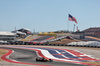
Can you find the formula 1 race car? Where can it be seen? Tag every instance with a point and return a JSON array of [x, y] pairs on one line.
[[43, 59]]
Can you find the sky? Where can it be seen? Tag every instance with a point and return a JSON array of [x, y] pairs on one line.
[[48, 15]]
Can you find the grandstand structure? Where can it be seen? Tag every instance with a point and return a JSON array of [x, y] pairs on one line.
[[23, 32], [7, 36], [94, 31]]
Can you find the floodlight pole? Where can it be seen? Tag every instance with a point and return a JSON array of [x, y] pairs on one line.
[[15, 32], [33, 31], [74, 28]]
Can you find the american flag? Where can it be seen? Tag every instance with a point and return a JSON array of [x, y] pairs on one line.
[[71, 18]]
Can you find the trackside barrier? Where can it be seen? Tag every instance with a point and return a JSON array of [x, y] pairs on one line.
[[59, 38], [46, 42], [85, 44], [94, 44], [15, 43]]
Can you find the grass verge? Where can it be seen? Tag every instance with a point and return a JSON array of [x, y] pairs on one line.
[[96, 63], [2, 52]]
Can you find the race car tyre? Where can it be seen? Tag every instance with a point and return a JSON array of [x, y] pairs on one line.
[[37, 59], [50, 60]]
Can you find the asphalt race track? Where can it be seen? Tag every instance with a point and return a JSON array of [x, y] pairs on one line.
[[29, 56], [42, 38]]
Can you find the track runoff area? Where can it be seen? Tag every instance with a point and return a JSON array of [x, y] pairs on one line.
[[62, 55]]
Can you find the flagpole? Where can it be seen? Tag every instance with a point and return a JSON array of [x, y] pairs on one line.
[[68, 23], [77, 28], [68, 27]]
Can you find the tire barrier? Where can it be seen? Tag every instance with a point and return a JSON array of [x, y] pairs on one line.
[[93, 44]]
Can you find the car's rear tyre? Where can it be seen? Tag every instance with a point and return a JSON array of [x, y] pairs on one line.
[[37, 59], [50, 60]]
